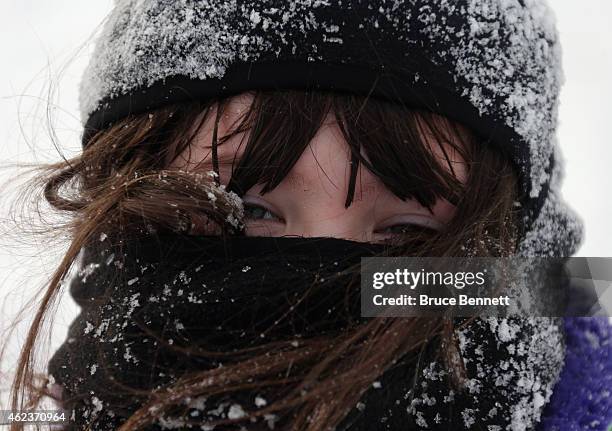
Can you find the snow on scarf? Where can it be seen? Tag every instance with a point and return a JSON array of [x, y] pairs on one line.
[[182, 288]]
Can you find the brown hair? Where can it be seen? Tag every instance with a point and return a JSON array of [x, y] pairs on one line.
[[108, 188]]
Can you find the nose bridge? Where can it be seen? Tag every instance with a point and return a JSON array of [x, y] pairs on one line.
[[330, 222], [320, 184]]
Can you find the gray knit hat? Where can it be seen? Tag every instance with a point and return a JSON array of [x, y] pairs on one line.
[[494, 65]]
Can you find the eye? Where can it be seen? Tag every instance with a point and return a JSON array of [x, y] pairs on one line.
[[405, 228], [415, 224], [258, 212], [403, 231]]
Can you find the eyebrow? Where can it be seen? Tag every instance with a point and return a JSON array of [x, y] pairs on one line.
[[295, 178], [223, 157]]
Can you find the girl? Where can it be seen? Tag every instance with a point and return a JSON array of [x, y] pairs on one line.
[[238, 160]]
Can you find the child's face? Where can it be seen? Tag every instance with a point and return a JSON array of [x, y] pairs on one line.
[[310, 200]]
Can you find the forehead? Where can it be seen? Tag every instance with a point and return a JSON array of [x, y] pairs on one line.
[[200, 151]]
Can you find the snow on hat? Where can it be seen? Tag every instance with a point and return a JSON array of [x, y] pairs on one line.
[[493, 65]]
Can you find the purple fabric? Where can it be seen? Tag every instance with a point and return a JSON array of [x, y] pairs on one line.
[[582, 399]]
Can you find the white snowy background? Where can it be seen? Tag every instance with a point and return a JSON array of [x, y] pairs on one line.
[[38, 37]]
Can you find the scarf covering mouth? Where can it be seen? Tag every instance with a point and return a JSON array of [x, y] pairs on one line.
[[221, 295]]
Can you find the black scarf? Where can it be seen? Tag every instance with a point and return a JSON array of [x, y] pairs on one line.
[[222, 295]]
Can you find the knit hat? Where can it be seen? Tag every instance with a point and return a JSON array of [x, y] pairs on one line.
[[493, 65]]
